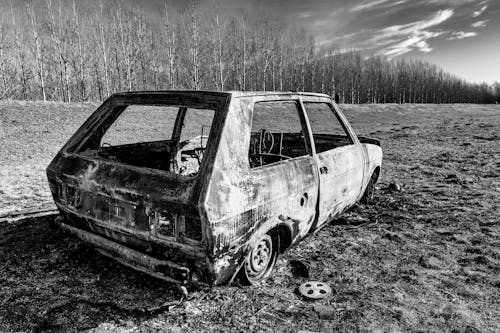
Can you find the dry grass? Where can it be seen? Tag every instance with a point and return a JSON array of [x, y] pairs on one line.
[[426, 258], [30, 136]]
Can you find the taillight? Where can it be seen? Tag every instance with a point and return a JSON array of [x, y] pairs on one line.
[[193, 229], [176, 227], [165, 224]]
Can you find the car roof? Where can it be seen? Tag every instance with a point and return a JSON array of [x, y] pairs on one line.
[[274, 93], [233, 93]]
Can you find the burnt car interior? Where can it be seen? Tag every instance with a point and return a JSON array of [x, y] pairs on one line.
[[168, 138], [277, 132], [270, 146]]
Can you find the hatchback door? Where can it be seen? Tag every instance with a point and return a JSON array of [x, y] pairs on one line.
[[339, 157], [130, 172]]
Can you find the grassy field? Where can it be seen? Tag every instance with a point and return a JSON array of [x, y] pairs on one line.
[[423, 259]]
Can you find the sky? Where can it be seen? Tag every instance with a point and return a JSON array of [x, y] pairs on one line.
[[460, 36]]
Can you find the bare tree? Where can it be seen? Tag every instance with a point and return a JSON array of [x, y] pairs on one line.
[[241, 40], [103, 46], [194, 41], [5, 73], [37, 49], [61, 44], [219, 52], [170, 48], [79, 60], [21, 57], [66, 52], [130, 32]]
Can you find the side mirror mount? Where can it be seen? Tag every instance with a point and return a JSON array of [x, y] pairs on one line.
[[337, 98]]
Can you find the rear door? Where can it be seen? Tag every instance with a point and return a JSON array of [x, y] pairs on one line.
[[339, 158]]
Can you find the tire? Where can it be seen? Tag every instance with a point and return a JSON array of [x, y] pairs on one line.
[[369, 194], [260, 260]]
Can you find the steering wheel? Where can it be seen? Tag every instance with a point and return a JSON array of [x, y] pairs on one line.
[[266, 141], [196, 153]]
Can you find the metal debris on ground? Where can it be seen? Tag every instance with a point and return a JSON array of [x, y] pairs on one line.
[[394, 187], [315, 290], [299, 269], [184, 291]]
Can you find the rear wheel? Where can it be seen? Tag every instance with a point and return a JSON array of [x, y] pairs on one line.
[[260, 260]]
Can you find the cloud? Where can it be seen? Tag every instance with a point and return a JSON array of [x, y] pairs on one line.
[[462, 35], [479, 24], [377, 4], [452, 2], [367, 5], [303, 15], [418, 26], [480, 11], [416, 42], [401, 39]]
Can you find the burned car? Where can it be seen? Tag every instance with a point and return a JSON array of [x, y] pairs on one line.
[[204, 187]]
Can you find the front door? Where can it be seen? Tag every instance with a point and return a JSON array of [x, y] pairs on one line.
[[280, 157], [339, 158]]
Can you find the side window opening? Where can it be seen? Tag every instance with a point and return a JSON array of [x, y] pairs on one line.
[[328, 130], [277, 133], [143, 135]]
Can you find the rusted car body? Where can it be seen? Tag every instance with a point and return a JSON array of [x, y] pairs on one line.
[[229, 200]]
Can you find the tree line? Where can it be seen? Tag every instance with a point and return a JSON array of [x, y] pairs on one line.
[[60, 50]]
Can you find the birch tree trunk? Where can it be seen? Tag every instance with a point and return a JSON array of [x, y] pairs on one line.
[[37, 50]]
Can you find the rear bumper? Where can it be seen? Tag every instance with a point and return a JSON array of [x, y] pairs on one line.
[[162, 269]]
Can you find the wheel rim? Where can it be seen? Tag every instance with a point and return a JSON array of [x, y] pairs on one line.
[[260, 260]]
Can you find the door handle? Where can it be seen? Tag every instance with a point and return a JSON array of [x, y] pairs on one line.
[[323, 170]]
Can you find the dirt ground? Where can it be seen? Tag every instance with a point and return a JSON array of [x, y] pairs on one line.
[[425, 258]]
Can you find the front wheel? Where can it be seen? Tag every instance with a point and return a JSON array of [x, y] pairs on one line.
[[369, 194], [260, 260]]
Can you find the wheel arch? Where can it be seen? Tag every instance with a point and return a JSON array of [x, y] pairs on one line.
[[284, 232]]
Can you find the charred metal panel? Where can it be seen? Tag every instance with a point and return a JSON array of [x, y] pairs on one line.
[[341, 180], [373, 159], [185, 254], [149, 210], [162, 268]]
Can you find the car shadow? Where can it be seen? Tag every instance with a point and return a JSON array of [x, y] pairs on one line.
[[51, 281]]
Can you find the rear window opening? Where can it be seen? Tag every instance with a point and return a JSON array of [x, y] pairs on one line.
[[168, 138]]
